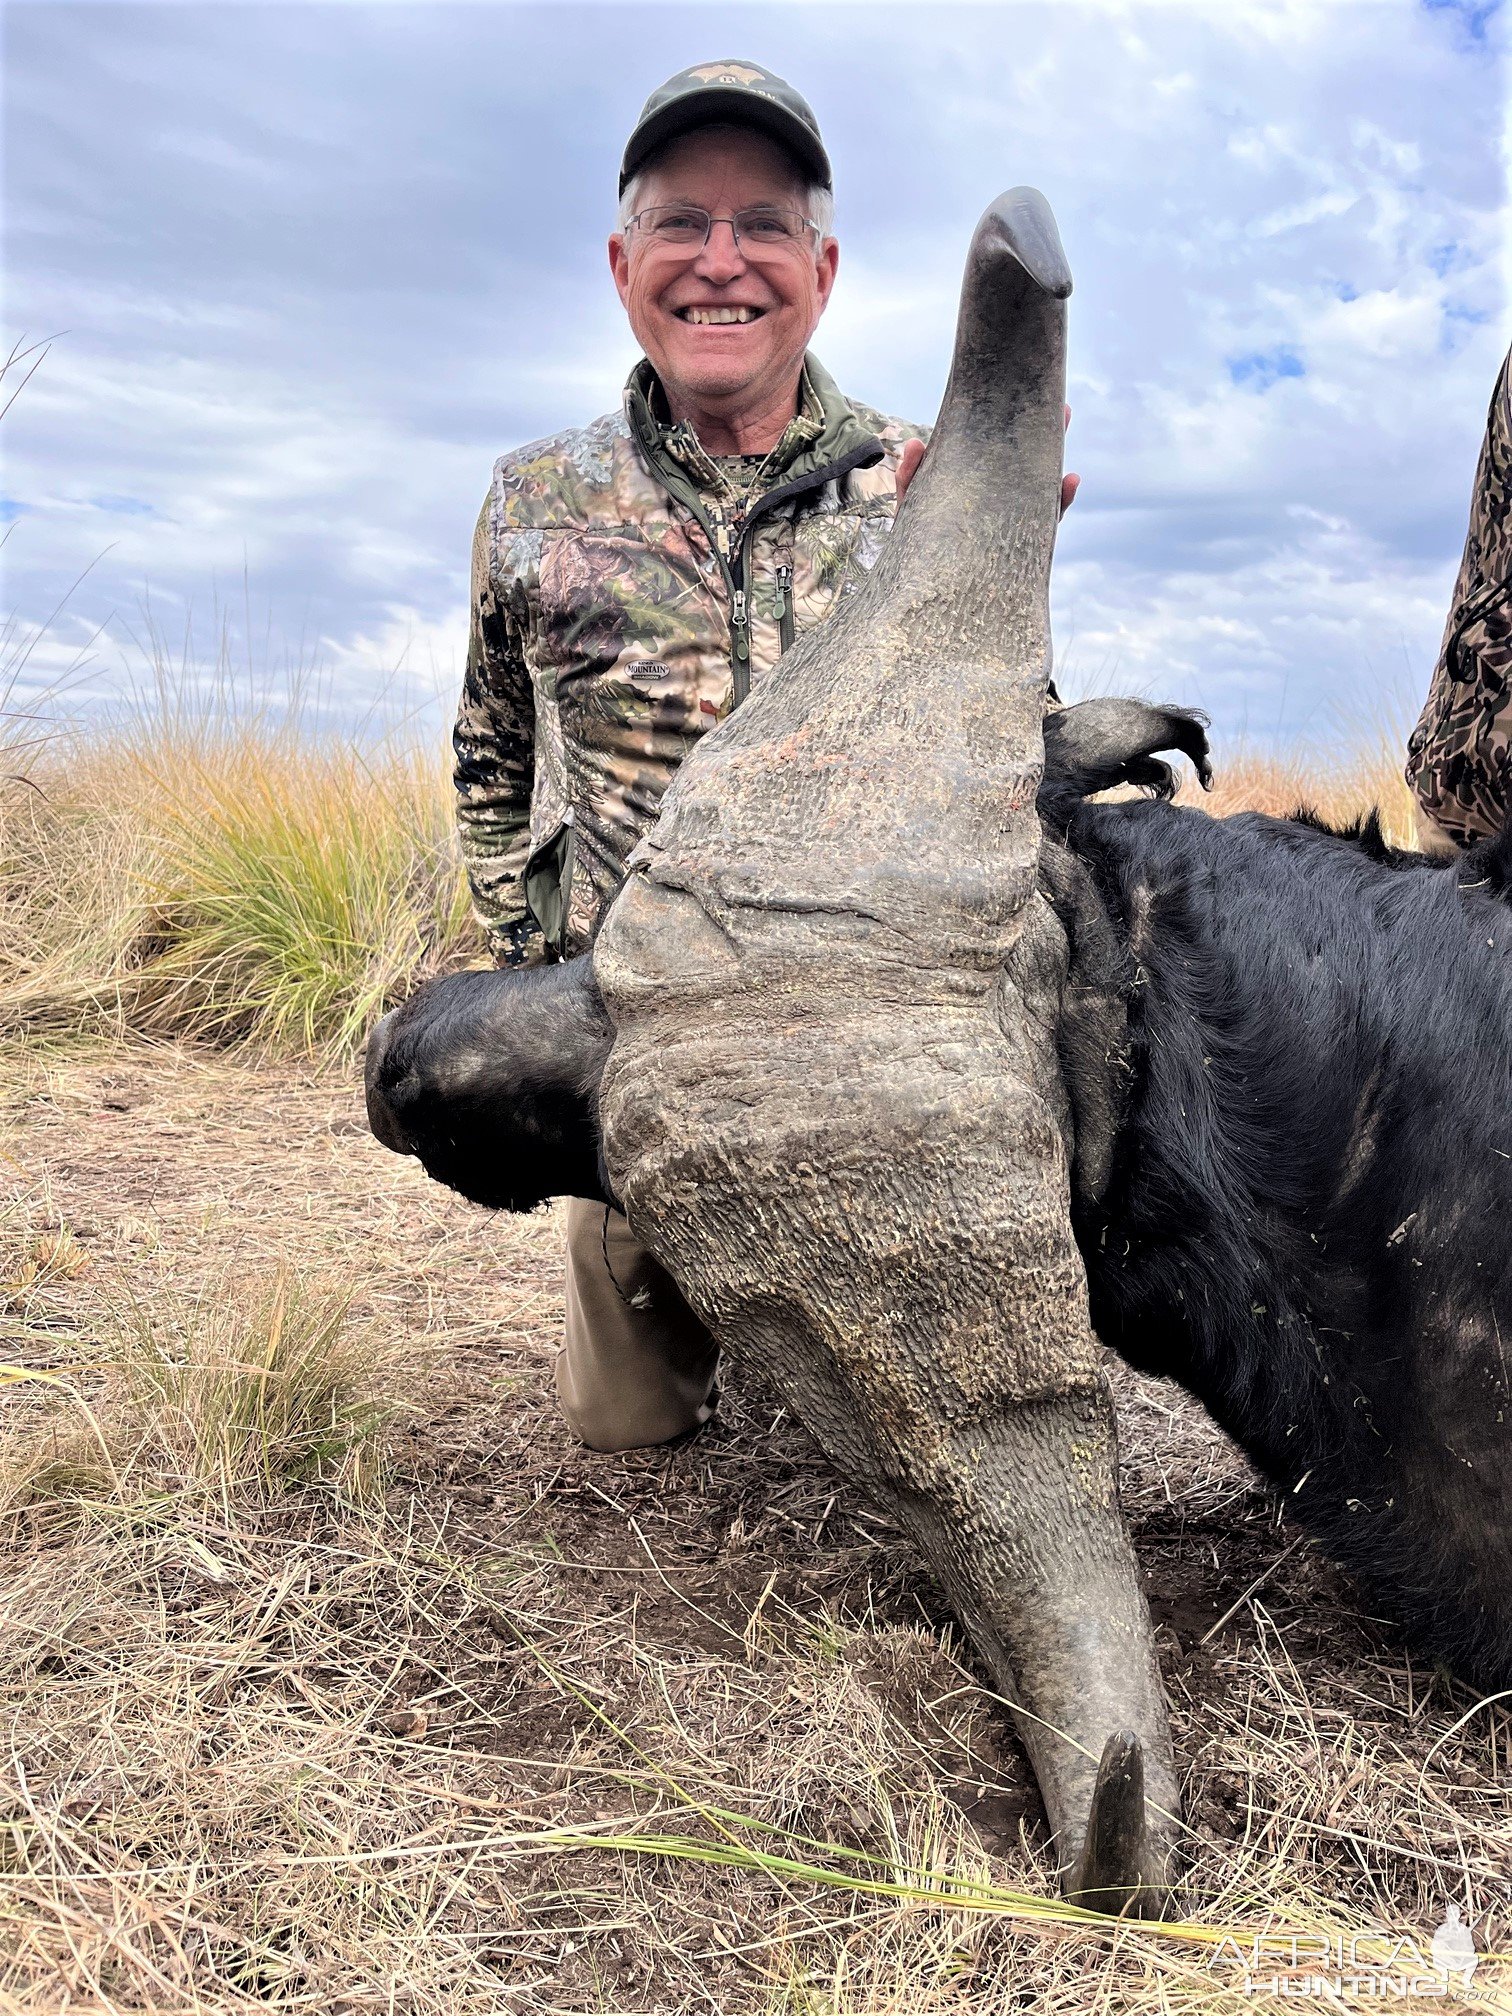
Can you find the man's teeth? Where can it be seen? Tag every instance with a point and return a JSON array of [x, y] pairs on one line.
[[702, 315]]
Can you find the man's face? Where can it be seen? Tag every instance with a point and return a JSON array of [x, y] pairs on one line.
[[734, 365]]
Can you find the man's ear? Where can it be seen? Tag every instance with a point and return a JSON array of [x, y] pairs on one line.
[[619, 265], [829, 266]]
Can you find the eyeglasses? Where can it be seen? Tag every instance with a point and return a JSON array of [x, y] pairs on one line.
[[761, 231]]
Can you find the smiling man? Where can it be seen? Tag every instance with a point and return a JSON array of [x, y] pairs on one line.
[[634, 578]]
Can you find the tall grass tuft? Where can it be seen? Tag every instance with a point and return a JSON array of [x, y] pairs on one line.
[[296, 893], [276, 1389], [235, 1392], [225, 881]]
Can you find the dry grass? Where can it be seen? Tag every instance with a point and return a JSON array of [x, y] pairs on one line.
[[243, 883], [1359, 772], [241, 1388], [334, 1677]]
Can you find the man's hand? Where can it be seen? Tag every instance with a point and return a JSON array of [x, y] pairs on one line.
[[913, 455]]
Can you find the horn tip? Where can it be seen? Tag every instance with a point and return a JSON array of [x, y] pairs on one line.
[[1021, 223], [1121, 1869]]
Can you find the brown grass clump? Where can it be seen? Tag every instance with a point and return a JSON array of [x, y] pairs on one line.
[[259, 1386], [225, 881], [244, 1383]]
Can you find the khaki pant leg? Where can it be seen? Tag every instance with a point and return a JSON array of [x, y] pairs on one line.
[[637, 1366]]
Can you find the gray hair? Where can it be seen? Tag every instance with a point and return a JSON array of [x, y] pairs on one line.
[[818, 202]]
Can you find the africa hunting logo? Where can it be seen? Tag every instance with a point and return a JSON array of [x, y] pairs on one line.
[[728, 73], [1454, 1946], [1361, 1967]]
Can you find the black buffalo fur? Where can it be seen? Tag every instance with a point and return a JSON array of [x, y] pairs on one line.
[[1303, 1208], [1308, 1215]]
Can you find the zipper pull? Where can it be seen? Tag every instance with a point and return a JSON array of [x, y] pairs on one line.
[[739, 625], [786, 616]]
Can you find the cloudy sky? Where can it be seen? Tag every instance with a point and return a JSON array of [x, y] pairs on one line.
[[315, 266]]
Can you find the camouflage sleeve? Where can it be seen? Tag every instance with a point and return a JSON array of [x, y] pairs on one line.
[[1459, 759], [494, 771]]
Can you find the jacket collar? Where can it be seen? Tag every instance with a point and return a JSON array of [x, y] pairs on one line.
[[824, 431]]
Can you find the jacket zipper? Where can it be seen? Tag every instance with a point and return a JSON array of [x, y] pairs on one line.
[[740, 637], [740, 620], [740, 640], [740, 607], [785, 629], [734, 570]]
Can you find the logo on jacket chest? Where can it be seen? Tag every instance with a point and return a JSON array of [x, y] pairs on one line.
[[655, 679]]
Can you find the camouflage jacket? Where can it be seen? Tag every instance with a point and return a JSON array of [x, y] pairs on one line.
[[625, 596], [1459, 758]]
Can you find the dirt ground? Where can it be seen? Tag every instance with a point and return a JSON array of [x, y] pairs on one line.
[[609, 1631]]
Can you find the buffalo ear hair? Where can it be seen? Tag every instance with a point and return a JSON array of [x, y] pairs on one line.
[[1363, 831], [1488, 864]]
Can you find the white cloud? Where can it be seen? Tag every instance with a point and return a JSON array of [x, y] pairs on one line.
[[1280, 643], [409, 657]]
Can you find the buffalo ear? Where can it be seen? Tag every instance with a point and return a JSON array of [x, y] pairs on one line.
[[1101, 743], [491, 1080]]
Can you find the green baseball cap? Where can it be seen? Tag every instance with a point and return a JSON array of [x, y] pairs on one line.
[[734, 93]]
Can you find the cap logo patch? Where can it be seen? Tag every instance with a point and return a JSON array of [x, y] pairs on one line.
[[728, 73]]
